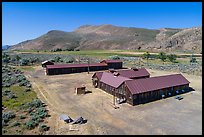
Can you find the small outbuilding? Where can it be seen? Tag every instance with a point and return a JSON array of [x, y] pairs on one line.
[[46, 62], [80, 90]]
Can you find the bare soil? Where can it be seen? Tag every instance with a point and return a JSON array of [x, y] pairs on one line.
[[167, 116]]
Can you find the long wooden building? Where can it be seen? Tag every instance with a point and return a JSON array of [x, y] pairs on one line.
[[77, 68], [74, 68], [143, 90]]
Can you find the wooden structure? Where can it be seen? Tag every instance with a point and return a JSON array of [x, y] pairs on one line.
[[154, 88], [57, 69], [80, 90], [142, 90], [113, 64], [47, 62], [74, 68]]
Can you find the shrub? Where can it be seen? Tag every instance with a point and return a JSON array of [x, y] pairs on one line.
[[15, 124], [43, 127], [58, 59], [11, 95], [21, 78], [114, 57], [23, 83], [5, 92], [22, 117], [4, 123], [6, 116], [31, 124], [24, 62], [35, 103], [4, 130], [193, 59], [69, 60], [27, 89]]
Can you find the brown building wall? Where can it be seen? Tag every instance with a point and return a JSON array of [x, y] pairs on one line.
[[156, 95], [57, 71]]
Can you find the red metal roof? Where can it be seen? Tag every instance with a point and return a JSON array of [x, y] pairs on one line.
[[114, 81], [111, 61], [155, 83], [98, 75], [74, 65], [130, 73]]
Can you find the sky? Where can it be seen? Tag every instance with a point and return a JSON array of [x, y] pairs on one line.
[[28, 20]]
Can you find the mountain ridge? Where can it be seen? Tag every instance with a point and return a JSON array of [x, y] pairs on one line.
[[107, 36]]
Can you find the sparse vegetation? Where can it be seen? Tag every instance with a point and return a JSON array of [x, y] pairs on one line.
[[16, 99]]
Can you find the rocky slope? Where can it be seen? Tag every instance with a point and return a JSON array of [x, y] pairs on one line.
[[115, 37]]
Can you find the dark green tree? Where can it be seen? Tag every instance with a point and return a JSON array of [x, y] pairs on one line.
[[17, 59], [162, 56], [193, 59], [146, 55], [172, 58]]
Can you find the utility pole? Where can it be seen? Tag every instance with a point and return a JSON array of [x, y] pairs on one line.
[[79, 59], [88, 65], [113, 98]]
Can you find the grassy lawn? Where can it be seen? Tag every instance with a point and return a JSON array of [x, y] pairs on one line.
[[25, 68], [22, 97]]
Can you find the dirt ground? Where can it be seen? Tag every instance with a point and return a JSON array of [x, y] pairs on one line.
[[163, 117]]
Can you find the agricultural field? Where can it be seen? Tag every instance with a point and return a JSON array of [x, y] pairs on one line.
[[29, 87]]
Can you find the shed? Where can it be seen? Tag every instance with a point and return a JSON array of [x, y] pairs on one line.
[[80, 90], [113, 64], [46, 62]]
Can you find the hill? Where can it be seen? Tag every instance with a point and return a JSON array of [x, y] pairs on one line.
[[5, 47], [114, 37]]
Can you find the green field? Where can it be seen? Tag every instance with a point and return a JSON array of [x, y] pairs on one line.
[[106, 53]]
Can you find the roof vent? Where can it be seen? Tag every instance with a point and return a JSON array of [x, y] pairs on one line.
[[112, 70], [135, 69], [116, 74]]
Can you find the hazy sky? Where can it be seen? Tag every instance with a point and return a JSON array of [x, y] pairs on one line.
[[28, 20]]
